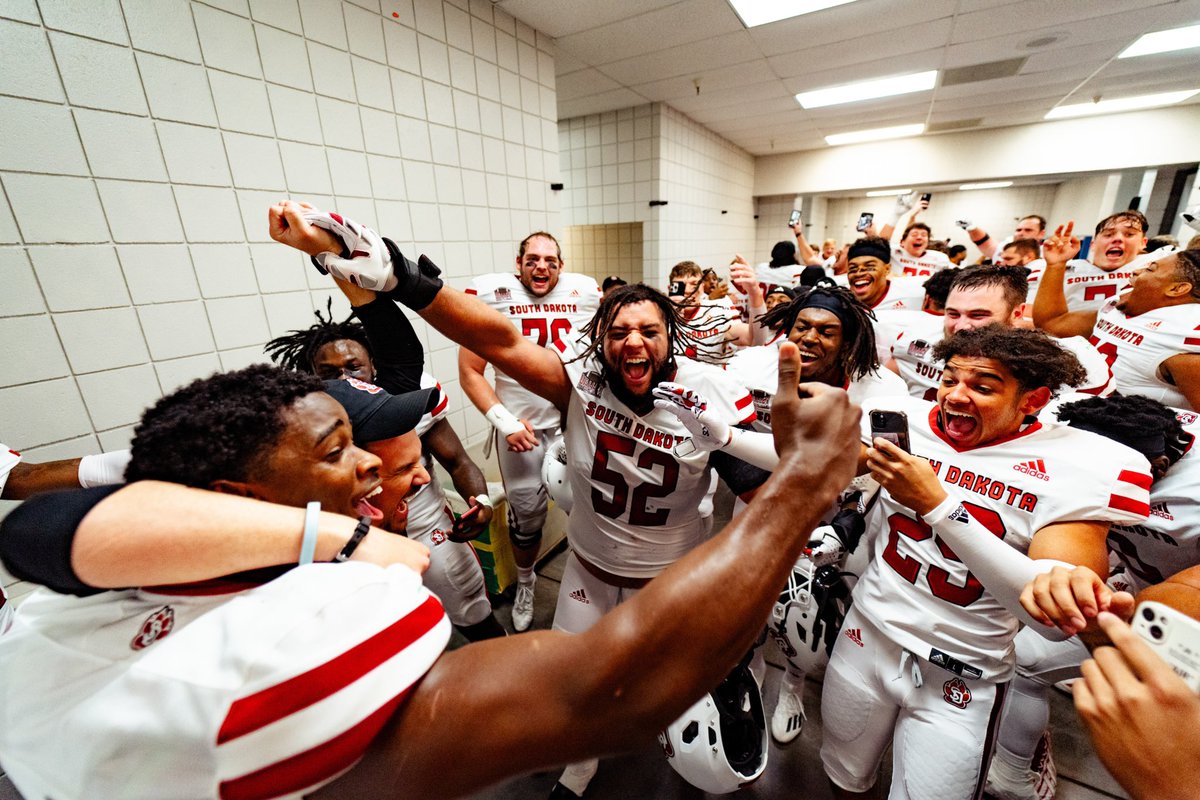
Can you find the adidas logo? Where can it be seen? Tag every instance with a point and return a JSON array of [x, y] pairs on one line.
[[580, 596], [1160, 510], [855, 635], [1035, 468], [574, 293]]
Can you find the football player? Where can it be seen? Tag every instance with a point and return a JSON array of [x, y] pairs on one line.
[[911, 254], [249, 688], [544, 303], [1149, 334], [869, 276]]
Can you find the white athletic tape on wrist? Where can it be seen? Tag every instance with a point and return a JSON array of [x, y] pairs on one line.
[[753, 447], [1003, 570], [103, 469], [503, 420]]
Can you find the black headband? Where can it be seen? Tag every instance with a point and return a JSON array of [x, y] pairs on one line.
[[866, 247], [832, 303]]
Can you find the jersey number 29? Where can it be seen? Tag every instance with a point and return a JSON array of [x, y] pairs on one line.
[[938, 578]]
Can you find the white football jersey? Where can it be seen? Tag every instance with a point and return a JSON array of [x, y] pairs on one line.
[[922, 266], [427, 506], [914, 326], [1088, 287], [636, 501], [918, 591], [757, 368], [1169, 540], [707, 336], [1136, 347], [264, 691], [566, 308], [913, 352]]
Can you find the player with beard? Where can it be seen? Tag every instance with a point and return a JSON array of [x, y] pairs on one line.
[[1117, 254], [1149, 335], [637, 495], [544, 303], [869, 276]]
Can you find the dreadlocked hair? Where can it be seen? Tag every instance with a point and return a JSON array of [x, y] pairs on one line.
[[221, 427], [297, 349], [1033, 358], [857, 356], [1128, 419], [601, 322]]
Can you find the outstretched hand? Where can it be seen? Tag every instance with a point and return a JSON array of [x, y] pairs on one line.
[[288, 226], [1059, 248], [816, 428], [709, 431]]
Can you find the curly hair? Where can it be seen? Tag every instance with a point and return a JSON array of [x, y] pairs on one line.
[[297, 349], [1033, 358], [220, 427], [1187, 269], [937, 288], [1130, 420], [857, 356], [1013, 281], [597, 328]]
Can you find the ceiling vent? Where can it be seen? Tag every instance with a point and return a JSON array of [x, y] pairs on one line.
[[982, 72], [953, 125]]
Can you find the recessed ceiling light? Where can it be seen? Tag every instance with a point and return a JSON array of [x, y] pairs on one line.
[[966, 187], [868, 90], [1120, 104], [1164, 42], [875, 134], [888, 192], [759, 12]]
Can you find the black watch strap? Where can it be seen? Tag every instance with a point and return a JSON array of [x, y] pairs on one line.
[[360, 532]]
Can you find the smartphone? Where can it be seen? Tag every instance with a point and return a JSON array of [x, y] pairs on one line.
[[676, 289], [1174, 636], [794, 218], [926, 196], [467, 518], [891, 425], [864, 221]]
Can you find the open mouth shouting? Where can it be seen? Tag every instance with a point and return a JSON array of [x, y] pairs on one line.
[[364, 508], [539, 284], [1114, 253], [862, 284], [959, 426]]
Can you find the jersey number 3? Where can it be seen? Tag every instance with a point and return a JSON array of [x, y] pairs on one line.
[[909, 568], [639, 514]]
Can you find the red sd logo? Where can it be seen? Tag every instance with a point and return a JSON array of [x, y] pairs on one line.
[[956, 693], [156, 626]]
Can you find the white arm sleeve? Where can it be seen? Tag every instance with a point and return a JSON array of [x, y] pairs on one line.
[[753, 447], [103, 469], [1003, 571]]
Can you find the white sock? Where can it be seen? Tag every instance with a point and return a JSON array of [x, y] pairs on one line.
[[525, 575]]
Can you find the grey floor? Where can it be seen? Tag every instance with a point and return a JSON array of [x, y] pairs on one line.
[[793, 772]]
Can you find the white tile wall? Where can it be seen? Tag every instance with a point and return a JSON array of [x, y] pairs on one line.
[[133, 246]]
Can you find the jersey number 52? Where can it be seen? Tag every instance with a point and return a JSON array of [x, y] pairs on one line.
[[650, 458]]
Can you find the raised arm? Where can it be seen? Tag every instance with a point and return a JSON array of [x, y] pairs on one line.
[[743, 277], [517, 433], [1050, 312], [613, 687], [808, 256], [460, 317], [980, 238]]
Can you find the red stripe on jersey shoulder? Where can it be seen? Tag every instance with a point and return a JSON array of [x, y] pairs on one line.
[[312, 766], [746, 400], [1126, 504], [272, 704], [1138, 479], [470, 291], [1192, 341]]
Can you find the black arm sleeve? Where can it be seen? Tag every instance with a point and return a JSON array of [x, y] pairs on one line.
[[395, 347], [738, 475], [36, 538]]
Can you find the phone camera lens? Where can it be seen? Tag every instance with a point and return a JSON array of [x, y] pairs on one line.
[[1147, 614], [1156, 632]]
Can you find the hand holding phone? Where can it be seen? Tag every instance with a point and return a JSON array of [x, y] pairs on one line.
[[794, 219], [864, 221], [676, 289], [926, 197], [892, 426], [1174, 636], [463, 522]]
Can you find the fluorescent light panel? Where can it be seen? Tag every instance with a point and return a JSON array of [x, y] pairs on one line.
[[1120, 104], [966, 187], [1163, 42], [868, 90], [760, 12], [876, 134], [888, 192]]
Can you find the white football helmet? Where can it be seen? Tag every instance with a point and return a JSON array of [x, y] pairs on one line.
[[369, 264], [720, 743], [554, 474], [808, 614]]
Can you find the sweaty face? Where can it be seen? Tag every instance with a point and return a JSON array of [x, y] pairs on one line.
[[315, 459], [916, 242], [1117, 244], [540, 267], [636, 347], [343, 358], [818, 334], [868, 278], [1145, 292], [967, 309], [1029, 228], [980, 401], [403, 473]]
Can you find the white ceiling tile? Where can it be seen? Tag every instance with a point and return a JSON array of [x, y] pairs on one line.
[[845, 22], [583, 83], [898, 47], [652, 31], [1033, 15], [596, 103], [562, 17]]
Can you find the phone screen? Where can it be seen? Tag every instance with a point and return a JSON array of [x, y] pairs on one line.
[[794, 218], [891, 425], [676, 289], [926, 197], [864, 221]]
